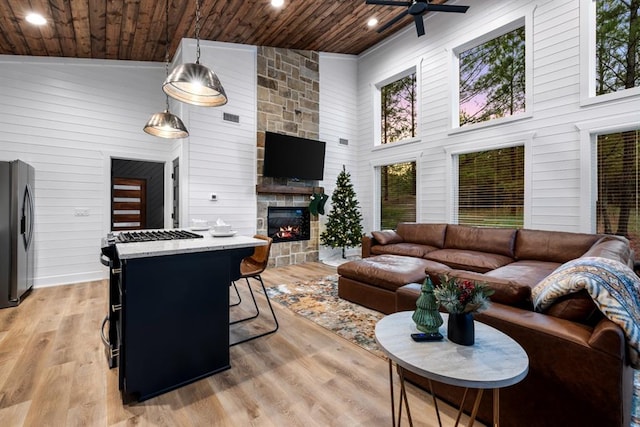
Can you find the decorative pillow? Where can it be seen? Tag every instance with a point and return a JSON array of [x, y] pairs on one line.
[[613, 286], [386, 237]]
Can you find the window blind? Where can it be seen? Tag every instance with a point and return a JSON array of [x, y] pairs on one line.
[[491, 187], [617, 202], [397, 194]]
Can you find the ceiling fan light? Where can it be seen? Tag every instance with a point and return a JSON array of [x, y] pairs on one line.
[[195, 84], [166, 125]]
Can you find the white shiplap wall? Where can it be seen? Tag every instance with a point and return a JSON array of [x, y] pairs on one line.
[[67, 118], [338, 103], [220, 156], [553, 142]]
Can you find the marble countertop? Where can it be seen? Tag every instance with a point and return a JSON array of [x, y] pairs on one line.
[[495, 360], [173, 247]]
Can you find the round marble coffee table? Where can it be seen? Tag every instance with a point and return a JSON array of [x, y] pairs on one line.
[[494, 361]]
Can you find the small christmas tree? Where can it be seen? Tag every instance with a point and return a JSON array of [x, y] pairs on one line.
[[344, 222]]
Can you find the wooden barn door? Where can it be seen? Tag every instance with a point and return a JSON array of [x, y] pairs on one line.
[[128, 204]]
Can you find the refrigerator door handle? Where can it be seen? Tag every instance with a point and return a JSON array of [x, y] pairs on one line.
[[27, 229]]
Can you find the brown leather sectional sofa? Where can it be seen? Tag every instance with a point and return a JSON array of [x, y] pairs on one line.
[[579, 372]]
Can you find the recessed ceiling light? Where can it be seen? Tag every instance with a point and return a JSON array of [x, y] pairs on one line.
[[35, 19], [372, 22], [277, 3]]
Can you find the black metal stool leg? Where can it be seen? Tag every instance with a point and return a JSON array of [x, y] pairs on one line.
[[273, 314], [237, 293], [255, 304]]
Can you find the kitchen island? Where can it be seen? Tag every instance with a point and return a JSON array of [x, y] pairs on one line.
[[169, 310]]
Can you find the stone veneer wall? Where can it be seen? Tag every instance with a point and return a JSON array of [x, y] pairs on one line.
[[288, 103]]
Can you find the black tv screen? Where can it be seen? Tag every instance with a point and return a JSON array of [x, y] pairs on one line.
[[288, 156]]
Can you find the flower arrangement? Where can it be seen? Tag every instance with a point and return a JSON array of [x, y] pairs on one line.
[[462, 296]]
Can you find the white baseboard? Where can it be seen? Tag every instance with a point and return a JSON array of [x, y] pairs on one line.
[[69, 279]]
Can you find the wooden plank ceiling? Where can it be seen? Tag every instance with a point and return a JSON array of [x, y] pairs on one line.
[[135, 29]]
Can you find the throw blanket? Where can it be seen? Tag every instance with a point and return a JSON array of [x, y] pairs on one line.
[[614, 287]]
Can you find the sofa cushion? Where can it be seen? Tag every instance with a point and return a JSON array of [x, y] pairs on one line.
[[491, 240], [578, 307], [386, 271], [385, 237], [556, 246], [468, 259], [424, 234], [526, 272], [505, 291], [612, 247], [404, 249]]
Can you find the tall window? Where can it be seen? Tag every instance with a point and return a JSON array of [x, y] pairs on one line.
[[398, 116], [492, 79], [617, 45], [618, 169], [397, 194], [491, 187]]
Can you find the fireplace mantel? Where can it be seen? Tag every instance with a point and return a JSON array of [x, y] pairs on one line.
[[286, 189]]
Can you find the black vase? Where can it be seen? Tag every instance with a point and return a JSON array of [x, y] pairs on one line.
[[460, 328]]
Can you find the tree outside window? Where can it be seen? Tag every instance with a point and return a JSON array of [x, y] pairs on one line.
[[398, 110], [618, 170], [491, 188], [397, 194], [617, 45], [492, 79]]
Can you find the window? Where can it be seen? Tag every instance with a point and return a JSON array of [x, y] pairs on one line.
[[397, 194], [398, 117], [617, 64], [491, 187], [618, 170], [492, 79]]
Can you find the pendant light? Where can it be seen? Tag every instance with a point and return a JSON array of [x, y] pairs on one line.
[[165, 124], [193, 83]]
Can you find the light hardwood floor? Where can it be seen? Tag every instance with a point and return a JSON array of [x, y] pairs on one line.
[[53, 371]]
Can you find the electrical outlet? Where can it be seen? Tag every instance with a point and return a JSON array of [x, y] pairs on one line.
[[213, 197], [81, 212]]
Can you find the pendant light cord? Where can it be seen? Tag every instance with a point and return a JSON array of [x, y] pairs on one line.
[[166, 46], [197, 31]]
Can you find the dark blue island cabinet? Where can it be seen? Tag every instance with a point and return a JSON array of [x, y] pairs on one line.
[[173, 323]]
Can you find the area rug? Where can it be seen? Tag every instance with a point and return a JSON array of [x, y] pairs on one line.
[[318, 301]]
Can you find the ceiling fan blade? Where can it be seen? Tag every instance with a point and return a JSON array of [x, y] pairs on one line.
[[419, 25], [446, 8], [393, 20], [389, 2]]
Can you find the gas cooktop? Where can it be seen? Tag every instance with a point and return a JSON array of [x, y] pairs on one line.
[[154, 235]]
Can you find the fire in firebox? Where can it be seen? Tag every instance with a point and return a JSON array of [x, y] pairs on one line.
[[288, 224], [289, 232]]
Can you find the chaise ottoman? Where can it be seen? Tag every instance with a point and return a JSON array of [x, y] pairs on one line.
[[373, 281]]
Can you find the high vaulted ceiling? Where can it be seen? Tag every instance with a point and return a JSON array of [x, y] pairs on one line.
[[135, 29]]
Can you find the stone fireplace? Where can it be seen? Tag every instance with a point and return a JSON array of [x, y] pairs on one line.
[[288, 103]]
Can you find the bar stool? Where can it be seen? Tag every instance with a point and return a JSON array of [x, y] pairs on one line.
[[250, 268]]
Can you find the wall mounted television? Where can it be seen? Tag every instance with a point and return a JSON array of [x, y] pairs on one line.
[[293, 157]]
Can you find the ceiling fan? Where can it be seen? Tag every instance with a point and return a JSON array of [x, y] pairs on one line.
[[416, 8]]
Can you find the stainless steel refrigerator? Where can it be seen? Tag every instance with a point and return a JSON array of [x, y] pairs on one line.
[[16, 231]]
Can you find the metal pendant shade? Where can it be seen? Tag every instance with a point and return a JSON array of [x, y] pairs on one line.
[[195, 84], [166, 125]]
